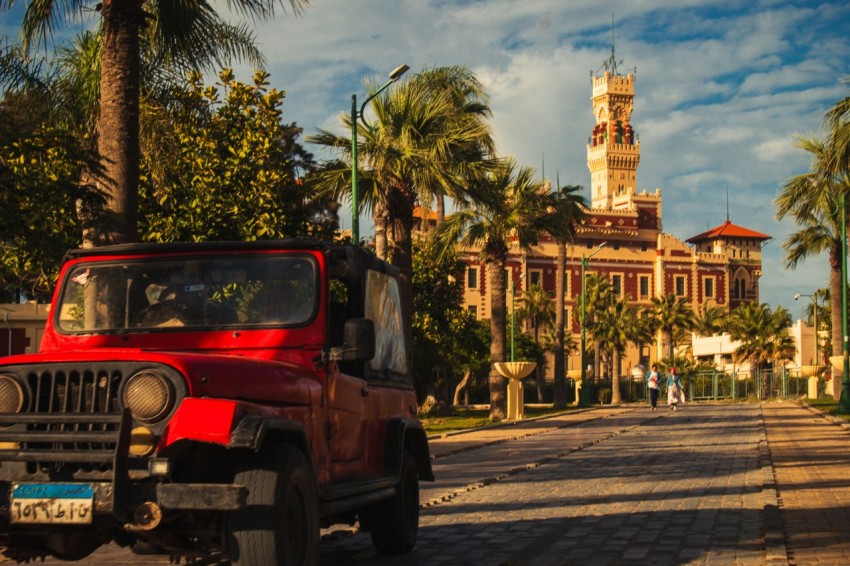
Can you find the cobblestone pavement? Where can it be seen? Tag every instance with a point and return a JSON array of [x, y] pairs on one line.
[[634, 488], [625, 486]]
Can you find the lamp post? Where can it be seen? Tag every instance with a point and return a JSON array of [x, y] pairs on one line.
[[585, 390], [355, 204], [814, 298], [513, 319]]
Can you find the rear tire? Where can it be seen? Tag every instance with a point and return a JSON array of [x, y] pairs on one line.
[[394, 523], [280, 523]]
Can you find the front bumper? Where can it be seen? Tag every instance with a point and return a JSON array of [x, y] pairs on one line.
[[92, 450]]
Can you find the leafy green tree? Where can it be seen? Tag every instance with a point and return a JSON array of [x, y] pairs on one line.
[[672, 314], [509, 204], [39, 187], [446, 338], [234, 169], [813, 201], [191, 28]]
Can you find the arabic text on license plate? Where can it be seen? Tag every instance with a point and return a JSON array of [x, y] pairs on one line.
[[52, 503]]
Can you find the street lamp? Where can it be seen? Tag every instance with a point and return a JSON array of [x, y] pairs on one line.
[[355, 204], [814, 298], [513, 320], [585, 390]]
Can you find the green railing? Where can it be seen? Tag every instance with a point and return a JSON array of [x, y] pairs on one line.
[[756, 384]]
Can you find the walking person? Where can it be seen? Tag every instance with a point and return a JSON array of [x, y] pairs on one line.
[[675, 395], [653, 380]]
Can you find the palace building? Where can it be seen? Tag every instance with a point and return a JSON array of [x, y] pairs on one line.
[[623, 233]]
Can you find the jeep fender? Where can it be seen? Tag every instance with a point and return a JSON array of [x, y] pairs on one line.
[[221, 421], [407, 434]]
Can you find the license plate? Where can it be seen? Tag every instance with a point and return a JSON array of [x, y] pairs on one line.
[[52, 503]]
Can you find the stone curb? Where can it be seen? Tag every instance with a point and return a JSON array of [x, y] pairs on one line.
[[838, 421]]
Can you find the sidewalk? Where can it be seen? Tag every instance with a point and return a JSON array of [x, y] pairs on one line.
[[811, 464]]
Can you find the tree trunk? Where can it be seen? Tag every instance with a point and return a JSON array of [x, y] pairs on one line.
[[615, 377], [837, 319], [462, 386], [597, 361], [559, 384], [538, 371], [441, 209], [380, 218], [118, 129], [498, 327], [670, 350]]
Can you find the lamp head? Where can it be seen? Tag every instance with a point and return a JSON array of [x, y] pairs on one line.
[[397, 72], [796, 296]]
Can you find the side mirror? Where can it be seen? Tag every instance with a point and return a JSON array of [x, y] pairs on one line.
[[358, 341]]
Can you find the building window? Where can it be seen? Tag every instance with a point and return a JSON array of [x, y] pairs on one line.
[[616, 245], [535, 277], [679, 284], [617, 285], [472, 278], [643, 287], [589, 244], [644, 246], [708, 289]]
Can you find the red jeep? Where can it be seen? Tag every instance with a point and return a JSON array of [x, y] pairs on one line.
[[215, 401]]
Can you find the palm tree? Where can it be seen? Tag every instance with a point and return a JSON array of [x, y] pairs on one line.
[[837, 121], [642, 331], [429, 137], [509, 205], [537, 308], [813, 200], [178, 26], [709, 319], [611, 328], [763, 335], [598, 295], [574, 205], [671, 313]]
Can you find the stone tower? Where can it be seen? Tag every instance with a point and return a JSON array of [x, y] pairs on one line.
[[613, 151]]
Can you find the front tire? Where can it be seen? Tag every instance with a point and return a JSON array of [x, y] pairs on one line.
[[394, 523], [280, 523]]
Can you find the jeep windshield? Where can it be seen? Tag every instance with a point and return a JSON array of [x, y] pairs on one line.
[[187, 292]]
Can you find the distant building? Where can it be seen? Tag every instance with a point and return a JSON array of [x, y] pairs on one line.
[[721, 266], [21, 327]]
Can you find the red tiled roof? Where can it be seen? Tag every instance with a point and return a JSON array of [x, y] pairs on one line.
[[728, 230]]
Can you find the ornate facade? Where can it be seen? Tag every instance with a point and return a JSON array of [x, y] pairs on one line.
[[721, 266]]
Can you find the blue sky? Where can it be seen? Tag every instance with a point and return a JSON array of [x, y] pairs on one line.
[[723, 88]]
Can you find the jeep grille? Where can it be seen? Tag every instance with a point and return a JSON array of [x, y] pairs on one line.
[[72, 424]]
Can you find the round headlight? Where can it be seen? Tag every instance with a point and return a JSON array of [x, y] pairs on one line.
[[11, 395], [149, 396]]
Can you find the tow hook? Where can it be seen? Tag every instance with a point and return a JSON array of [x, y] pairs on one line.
[[146, 517]]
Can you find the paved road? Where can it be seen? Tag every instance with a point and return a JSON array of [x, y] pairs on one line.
[[711, 484]]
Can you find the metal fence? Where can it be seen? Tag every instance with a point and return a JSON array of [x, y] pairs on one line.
[[715, 385]]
